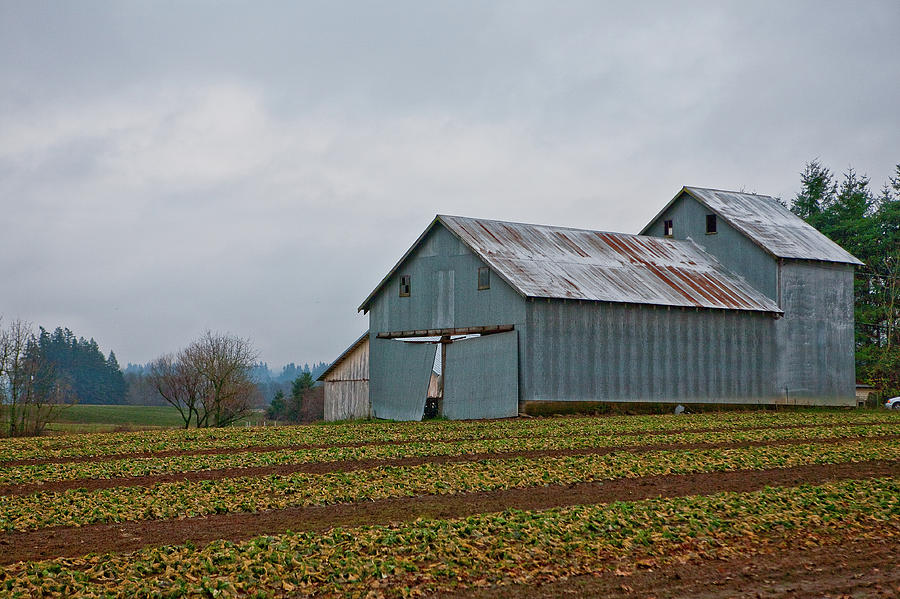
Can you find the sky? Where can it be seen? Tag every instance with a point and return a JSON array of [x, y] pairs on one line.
[[256, 168]]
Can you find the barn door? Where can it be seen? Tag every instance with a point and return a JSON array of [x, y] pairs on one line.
[[481, 377], [399, 378]]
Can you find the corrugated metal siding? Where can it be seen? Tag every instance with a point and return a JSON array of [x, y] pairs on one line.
[[617, 352], [554, 262], [772, 226], [346, 400], [444, 291], [482, 378], [399, 375], [815, 337]]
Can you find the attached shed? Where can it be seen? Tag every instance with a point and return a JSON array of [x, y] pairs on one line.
[[346, 383]]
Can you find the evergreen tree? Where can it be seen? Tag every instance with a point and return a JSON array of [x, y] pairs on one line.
[[817, 192]]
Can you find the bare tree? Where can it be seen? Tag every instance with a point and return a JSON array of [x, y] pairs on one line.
[[180, 385], [225, 362], [209, 381], [31, 396]]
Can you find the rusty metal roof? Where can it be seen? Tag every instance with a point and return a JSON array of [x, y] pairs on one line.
[[768, 224], [542, 261]]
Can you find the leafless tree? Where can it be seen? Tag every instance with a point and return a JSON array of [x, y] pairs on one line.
[[180, 385], [210, 380], [31, 396], [225, 362]]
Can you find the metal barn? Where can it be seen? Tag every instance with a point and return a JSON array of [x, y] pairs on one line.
[[346, 383], [727, 297]]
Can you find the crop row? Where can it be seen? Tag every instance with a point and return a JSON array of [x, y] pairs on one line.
[[428, 556], [370, 432], [78, 507], [190, 463]]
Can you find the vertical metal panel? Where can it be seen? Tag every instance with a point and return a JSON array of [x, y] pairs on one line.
[[729, 246], [481, 378], [700, 355], [815, 337], [451, 298], [400, 373]]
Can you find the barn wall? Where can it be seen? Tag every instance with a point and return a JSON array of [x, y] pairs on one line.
[[444, 291], [444, 294], [346, 400], [815, 337], [737, 253], [347, 386], [626, 352]]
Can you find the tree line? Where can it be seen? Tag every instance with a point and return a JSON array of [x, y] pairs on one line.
[[867, 224]]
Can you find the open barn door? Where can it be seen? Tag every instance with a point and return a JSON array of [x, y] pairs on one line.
[[481, 377], [399, 378]]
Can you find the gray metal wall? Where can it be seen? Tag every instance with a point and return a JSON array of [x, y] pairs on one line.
[[737, 253], [398, 390], [444, 291], [815, 337], [444, 294], [482, 377], [618, 352]]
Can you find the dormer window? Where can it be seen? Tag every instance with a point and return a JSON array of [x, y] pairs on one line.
[[404, 285], [668, 228], [710, 224]]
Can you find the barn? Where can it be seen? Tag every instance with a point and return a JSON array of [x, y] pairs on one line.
[[725, 297]]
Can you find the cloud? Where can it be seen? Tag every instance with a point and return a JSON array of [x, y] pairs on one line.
[[259, 170]]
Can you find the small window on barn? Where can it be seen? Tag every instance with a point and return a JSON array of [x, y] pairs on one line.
[[668, 228], [710, 224], [484, 278], [404, 285]]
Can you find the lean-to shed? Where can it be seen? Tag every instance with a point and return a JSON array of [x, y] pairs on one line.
[[346, 383]]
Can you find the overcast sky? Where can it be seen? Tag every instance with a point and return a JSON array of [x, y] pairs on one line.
[[257, 167]]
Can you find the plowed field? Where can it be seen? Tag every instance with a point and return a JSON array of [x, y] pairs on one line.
[[720, 505]]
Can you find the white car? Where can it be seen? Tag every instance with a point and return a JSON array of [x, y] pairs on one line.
[[893, 403]]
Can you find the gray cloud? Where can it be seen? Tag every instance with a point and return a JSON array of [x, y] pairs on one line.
[[170, 167]]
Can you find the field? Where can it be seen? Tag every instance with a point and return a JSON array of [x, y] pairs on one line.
[[89, 418], [714, 505], [96, 418]]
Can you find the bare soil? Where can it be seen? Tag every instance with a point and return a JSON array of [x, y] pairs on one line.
[[853, 568], [350, 465], [264, 448], [130, 536]]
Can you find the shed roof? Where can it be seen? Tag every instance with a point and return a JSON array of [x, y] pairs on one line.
[[768, 224], [541, 261], [344, 354]]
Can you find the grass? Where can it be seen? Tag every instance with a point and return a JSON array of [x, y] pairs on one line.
[[89, 418], [98, 418]]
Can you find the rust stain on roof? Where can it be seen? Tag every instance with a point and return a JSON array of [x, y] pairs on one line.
[[556, 262]]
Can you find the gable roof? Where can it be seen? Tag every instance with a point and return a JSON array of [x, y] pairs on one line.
[[344, 354], [768, 224], [540, 261]]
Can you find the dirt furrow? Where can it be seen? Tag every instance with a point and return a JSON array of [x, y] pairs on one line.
[[130, 536], [349, 465], [266, 448], [851, 568]]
